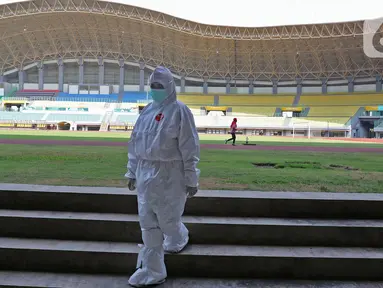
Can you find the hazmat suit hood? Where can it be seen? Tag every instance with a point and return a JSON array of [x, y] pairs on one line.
[[163, 76]]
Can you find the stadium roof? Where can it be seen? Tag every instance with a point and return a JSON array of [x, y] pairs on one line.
[[42, 30]]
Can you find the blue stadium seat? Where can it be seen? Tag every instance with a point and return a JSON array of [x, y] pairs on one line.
[[86, 97], [133, 97], [128, 97]]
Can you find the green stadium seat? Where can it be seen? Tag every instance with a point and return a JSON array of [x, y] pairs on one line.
[[74, 117], [126, 118], [19, 116]]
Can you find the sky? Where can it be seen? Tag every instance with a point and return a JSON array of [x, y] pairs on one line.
[[262, 13]]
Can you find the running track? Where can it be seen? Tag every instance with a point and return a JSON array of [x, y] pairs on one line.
[[203, 146]]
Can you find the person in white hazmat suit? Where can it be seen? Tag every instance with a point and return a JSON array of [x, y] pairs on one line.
[[163, 155]]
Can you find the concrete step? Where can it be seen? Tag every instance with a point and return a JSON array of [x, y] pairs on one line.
[[50, 280], [210, 261], [203, 230], [207, 203]]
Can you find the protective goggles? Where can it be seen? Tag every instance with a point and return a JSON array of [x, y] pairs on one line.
[[156, 85]]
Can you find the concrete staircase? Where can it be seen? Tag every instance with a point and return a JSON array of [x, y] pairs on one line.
[[305, 112], [37, 94], [314, 237], [379, 124], [105, 121], [278, 112], [296, 100]]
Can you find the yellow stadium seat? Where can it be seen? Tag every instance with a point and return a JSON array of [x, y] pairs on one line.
[[256, 100], [264, 105], [335, 114], [348, 100], [196, 101], [337, 108]]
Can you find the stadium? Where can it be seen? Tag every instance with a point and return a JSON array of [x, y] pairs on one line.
[[90, 72], [297, 203]]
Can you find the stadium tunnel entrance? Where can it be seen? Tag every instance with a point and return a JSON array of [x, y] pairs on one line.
[[73, 126], [12, 107], [64, 126], [366, 128]]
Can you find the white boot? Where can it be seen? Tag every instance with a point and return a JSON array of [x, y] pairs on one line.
[[151, 268], [178, 249], [176, 243]]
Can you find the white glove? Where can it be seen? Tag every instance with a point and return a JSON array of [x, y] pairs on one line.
[[191, 191], [132, 184]]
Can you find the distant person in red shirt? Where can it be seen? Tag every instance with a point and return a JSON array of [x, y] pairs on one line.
[[233, 130]]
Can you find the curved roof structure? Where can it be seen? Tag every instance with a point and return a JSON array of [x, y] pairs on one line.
[[40, 30]]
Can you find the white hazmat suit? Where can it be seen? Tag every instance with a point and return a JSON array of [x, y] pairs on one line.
[[163, 155]]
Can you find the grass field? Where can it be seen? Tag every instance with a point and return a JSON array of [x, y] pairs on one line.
[[233, 170]]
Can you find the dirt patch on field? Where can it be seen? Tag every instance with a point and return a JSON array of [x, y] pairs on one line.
[[220, 184], [265, 165], [303, 165], [205, 183], [78, 182], [336, 166], [367, 176]]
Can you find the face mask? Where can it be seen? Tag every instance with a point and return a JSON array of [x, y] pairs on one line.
[[158, 95]]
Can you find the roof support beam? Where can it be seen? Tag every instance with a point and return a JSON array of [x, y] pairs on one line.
[[60, 64], [101, 71], [142, 77], [80, 70], [21, 78], [121, 63], [379, 83], [40, 67]]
